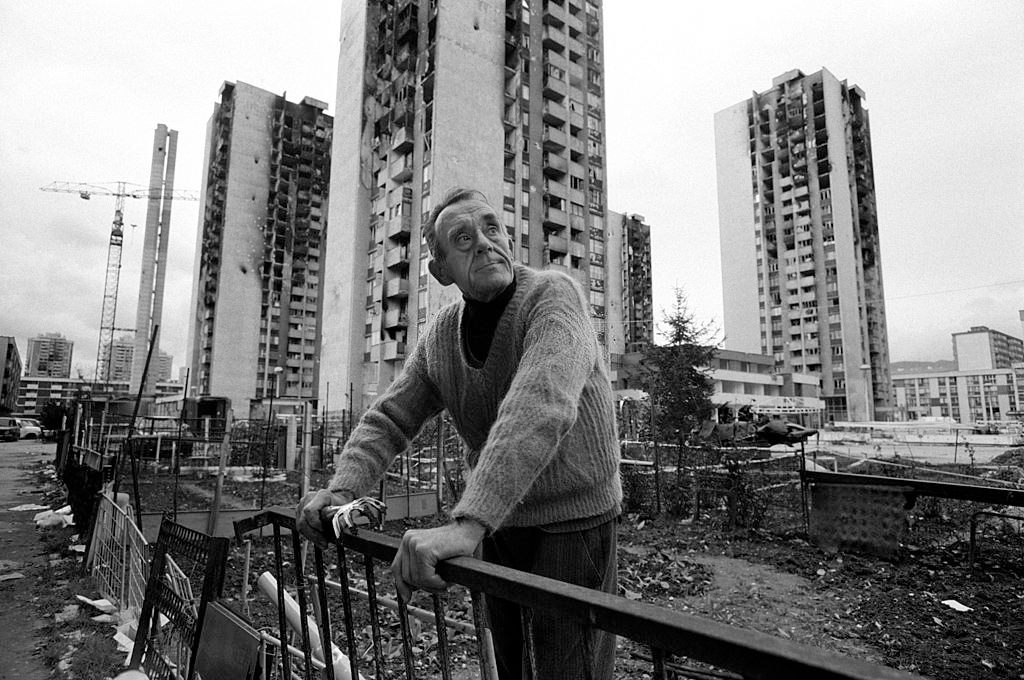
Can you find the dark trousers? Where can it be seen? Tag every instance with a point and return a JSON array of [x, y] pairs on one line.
[[563, 650]]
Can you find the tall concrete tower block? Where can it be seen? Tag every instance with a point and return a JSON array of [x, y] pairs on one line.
[[801, 257], [256, 295], [503, 96], [154, 255]]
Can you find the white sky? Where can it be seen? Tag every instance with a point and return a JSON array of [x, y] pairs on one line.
[[83, 85]]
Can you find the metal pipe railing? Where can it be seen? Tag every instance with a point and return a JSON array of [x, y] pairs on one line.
[[666, 633]]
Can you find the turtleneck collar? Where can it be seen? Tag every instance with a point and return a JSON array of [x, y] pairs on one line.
[[480, 320]]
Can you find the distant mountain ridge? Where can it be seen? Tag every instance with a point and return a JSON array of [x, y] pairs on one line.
[[940, 366]]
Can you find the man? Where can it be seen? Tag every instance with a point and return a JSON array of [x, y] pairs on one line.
[[517, 365]]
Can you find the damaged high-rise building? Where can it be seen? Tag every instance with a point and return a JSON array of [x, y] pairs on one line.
[[801, 260], [504, 96], [257, 289]]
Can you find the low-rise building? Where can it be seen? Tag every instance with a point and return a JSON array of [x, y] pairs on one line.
[[35, 391], [967, 396], [747, 379]]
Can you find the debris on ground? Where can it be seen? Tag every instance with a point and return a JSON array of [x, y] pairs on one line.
[[29, 506], [54, 519]]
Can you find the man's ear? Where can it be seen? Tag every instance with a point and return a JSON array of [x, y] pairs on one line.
[[439, 272]]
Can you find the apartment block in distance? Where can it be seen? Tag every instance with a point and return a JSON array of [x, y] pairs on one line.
[[10, 373], [257, 292], [801, 267], [504, 96], [121, 358], [49, 355], [984, 348], [629, 284]]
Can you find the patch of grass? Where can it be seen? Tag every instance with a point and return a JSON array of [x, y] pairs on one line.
[[96, 657]]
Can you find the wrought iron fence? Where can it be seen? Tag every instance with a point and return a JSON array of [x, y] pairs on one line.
[[673, 639]]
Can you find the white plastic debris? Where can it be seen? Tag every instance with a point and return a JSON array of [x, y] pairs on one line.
[[50, 519], [29, 506], [104, 605], [124, 643], [953, 604]]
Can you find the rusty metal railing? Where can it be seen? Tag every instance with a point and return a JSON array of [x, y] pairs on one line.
[[665, 633]]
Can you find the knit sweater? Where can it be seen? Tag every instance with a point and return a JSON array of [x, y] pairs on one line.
[[537, 419]]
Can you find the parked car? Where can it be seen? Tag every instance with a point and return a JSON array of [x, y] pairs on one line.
[[29, 429], [10, 429]]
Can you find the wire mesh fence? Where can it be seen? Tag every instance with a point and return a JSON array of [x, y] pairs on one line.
[[727, 488]]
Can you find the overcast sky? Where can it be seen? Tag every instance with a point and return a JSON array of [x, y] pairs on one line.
[[83, 85]]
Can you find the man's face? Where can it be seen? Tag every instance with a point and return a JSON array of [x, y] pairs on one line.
[[473, 250]]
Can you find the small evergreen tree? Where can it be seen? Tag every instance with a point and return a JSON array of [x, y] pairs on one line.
[[678, 372]]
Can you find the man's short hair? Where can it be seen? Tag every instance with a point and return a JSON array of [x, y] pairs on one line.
[[451, 197]]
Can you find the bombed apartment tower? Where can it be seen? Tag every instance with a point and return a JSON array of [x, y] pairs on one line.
[[257, 293], [49, 355], [629, 284], [801, 266], [154, 257], [501, 96]]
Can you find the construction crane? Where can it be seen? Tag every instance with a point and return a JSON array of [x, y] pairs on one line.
[[120, 191]]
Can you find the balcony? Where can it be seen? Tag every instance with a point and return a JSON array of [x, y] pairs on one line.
[[511, 118], [554, 113], [558, 244], [577, 249], [402, 140], [554, 88], [399, 227], [396, 288], [397, 258], [554, 15], [401, 169], [554, 38], [406, 30], [576, 121], [402, 113], [554, 189], [574, 45], [555, 166], [392, 350], [554, 139], [554, 59], [555, 219], [575, 24], [395, 318]]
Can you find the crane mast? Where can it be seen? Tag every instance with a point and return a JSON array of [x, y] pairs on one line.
[[108, 314], [120, 191]]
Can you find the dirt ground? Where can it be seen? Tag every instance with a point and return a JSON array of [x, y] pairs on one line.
[[770, 580]]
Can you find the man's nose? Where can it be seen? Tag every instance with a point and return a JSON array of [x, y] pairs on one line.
[[483, 244]]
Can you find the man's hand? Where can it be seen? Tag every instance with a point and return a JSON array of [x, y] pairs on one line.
[[309, 517], [422, 549]]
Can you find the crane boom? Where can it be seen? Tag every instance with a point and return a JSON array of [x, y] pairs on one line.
[[124, 189], [120, 191]]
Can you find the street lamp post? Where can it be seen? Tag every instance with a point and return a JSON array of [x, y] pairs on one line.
[[266, 440]]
